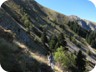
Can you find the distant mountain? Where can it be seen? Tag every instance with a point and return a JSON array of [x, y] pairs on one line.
[[88, 25]]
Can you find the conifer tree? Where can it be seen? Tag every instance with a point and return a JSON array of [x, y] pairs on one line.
[[44, 38], [80, 62]]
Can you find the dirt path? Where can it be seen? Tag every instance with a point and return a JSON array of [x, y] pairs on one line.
[[36, 56]]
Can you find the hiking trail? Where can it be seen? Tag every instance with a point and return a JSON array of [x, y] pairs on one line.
[[37, 56]]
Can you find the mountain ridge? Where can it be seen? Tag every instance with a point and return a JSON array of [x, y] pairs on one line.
[[52, 15]]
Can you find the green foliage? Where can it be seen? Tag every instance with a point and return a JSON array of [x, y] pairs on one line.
[[53, 43], [61, 40], [19, 14], [45, 68], [89, 52], [72, 38], [13, 63], [26, 21], [66, 60], [81, 62], [74, 26], [77, 29], [91, 38], [93, 43], [44, 38], [61, 37], [7, 59], [56, 42], [6, 48]]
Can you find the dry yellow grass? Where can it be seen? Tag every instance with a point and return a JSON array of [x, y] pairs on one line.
[[37, 56]]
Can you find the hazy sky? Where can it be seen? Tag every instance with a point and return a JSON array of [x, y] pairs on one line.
[[82, 8]]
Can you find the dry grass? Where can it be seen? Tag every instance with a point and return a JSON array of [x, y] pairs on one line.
[[37, 56]]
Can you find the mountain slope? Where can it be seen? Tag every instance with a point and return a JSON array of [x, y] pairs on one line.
[[28, 21]]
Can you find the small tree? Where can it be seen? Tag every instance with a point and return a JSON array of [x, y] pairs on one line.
[[80, 62], [44, 38], [93, 44], [61, 40], [53, 43], [65, 59], [61, 37]]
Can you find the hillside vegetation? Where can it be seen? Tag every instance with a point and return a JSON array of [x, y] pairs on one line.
[[71, 40]]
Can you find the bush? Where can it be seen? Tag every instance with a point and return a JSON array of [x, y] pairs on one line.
[[53, 42], [13, 63], [78, 45], [7, 59], [81, 62], [44, 38], [45, 68], [6, 48], [66, 60], [89, 52]]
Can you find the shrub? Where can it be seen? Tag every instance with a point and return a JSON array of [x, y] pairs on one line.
[[66, 60], [6, 48], [7, 59], [61, 40], [81, 61], [53, 43], [13, 63], [44, 38], [89, 52]]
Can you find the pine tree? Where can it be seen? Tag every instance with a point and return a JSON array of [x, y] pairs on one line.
[[44, 38], [53, 43], [61, 40], [80, 62], [93, 43]]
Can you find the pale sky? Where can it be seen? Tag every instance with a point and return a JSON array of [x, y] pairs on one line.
[[82, 8]]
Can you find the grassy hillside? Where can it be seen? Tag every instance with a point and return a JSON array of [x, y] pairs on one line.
[[43, 30], [14, 58]]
